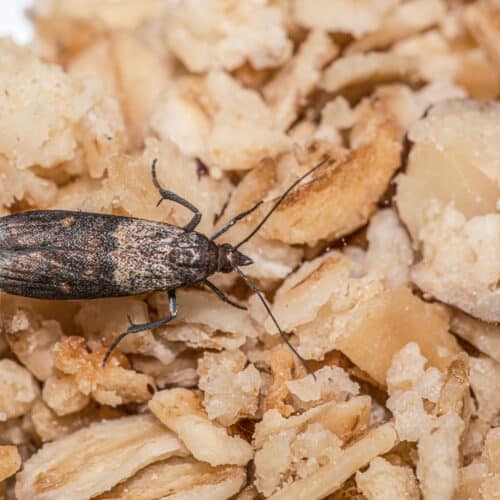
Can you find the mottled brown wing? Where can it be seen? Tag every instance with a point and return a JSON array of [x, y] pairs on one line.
[[74, 255]]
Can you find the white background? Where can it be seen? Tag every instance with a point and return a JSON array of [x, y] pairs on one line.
[[13, 22]]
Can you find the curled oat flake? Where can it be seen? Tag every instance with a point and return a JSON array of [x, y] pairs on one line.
[[94, 459], [180, 478], [49, 427], [181, 411]]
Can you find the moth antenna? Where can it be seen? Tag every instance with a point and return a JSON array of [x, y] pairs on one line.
[[280, 200], [275, 321], [234, 220]]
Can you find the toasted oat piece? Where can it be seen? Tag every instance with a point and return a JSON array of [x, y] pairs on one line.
[[344, 16], [94, 459], [181, 411], [342, 197], [451, 161], [471, 479], [329, 478], [49, 96], [180, 478], [244, 130], [281, 363], [18, 390], [273, 260], [10, 461], [304, 292], [112, 385]]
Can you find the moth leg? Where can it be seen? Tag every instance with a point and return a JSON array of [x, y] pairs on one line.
[[223, 296], [168, 195], [141, 327]]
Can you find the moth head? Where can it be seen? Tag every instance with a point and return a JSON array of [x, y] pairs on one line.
[[230, 257]]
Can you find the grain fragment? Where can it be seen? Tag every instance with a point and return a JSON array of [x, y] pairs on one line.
[[94, 459], [181, 411], [10, 461]]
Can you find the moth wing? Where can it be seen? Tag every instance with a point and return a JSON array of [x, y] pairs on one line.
[[77, 255], [50, 273]]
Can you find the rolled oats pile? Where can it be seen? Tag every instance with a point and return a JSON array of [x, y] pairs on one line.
[[383, 266]]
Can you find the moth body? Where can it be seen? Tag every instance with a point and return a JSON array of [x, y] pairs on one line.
[[80, 255]]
